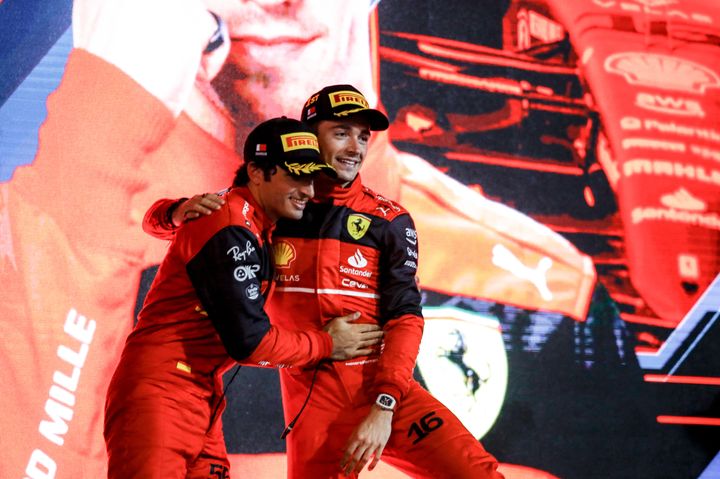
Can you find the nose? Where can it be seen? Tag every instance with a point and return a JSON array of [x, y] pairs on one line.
[[353, 145]]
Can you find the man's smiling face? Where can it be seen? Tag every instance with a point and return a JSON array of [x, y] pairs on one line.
[[344, 144]]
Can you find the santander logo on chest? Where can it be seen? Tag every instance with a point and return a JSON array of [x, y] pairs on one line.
[[357, 264]]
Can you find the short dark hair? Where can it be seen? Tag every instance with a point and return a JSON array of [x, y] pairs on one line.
[[242, 178]]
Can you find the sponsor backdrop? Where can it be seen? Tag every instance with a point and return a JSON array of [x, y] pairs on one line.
[[562, 163]]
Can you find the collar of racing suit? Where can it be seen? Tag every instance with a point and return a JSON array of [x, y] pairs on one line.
[[256, 214], [331, 190]]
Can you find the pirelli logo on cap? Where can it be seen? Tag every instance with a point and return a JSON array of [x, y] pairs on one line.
[[299, 141], [348, 97]]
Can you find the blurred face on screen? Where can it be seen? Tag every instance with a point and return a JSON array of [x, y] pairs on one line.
[[281, 50]]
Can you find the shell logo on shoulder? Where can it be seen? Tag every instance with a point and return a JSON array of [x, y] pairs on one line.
[[283, 254], [358, 225]]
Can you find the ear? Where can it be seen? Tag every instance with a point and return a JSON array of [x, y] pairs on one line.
[[255, 174]]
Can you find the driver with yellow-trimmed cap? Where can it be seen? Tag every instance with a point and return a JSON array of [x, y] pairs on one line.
[[205, 311]]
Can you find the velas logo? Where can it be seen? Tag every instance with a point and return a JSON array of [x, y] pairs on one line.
[[299, 141], [662, 71], [357, 225], [346, 97], [284, 254]]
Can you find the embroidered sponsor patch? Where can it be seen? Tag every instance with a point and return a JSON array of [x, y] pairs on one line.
[[245, 272], [299, 141], [252, 292], [346, 97], [241, 255], [358, 225], [284, 254]]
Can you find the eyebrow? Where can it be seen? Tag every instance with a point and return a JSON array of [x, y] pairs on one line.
[[347, 126]]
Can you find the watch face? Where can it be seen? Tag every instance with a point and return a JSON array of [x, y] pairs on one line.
[[386, 400]]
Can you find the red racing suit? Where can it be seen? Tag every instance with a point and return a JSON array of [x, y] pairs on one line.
[[204, 310], [354, 250]]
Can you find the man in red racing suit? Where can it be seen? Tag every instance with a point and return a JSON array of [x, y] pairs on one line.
[[354, 250], [204, 310]]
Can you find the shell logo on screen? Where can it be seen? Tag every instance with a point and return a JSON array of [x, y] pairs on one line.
[[662, 71]]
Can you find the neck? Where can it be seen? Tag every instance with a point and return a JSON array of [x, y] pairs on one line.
[[259, 204]]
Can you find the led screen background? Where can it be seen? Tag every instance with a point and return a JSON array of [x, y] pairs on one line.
[[623, 389]]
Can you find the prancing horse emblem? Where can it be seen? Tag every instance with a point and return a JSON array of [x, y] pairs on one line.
[[357, 225]]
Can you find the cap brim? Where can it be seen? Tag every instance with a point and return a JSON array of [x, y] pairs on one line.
[[375, 118]]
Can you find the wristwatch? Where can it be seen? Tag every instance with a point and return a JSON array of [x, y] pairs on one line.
[[386, 402]]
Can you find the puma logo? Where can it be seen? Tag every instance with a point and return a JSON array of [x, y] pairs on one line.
[[505, 259]]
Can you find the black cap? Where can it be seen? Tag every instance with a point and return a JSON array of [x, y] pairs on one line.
[[336, 102], [286, 143]]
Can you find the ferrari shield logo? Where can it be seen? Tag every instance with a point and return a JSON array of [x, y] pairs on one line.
[[357, 225]]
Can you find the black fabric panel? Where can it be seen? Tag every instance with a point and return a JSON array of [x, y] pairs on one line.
[[399, 293], [227, 275]]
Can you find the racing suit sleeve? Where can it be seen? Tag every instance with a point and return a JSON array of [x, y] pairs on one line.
[[227, 275], [399, 308], [157, 221]]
